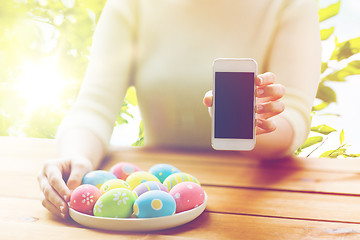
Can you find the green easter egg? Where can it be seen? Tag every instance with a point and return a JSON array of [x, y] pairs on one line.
[[116, 203]]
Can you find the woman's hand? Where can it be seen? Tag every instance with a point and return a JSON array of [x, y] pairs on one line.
[[268, 103], [58, 178]]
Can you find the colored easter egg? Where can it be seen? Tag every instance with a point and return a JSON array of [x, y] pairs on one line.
[[176, 178], [187, 195], [116, 203], [124, 169], [139, 177], [162, 171], [154, 203], [97, 177], [148, 186], [112, 184], [84, 197]]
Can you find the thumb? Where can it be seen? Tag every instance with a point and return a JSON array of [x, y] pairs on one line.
[[208, 99], [77, 173]]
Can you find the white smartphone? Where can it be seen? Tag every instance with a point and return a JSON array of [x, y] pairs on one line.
[[233, 121]]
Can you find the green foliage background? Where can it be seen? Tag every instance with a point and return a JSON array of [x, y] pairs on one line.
[[341, 67], [40, 31]]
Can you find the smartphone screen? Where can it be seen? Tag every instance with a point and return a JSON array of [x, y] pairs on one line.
[[234, 101]]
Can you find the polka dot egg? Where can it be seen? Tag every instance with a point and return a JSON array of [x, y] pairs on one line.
[[176, 178], [97, 178], [187, 195], [84, 197], [139, 177], [124, 169], [112, 184], [148, 186], [162, 171], [154, 203], [116, 203]]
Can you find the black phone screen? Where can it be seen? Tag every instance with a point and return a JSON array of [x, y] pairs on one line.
[[234, 102]]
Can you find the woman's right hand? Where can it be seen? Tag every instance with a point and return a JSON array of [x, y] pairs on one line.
[[58, 178]]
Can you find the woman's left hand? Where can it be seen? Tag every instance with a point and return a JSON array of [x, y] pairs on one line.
[[268, 102]]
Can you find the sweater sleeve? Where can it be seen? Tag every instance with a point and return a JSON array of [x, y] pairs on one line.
[[295, 58], [108, 74]]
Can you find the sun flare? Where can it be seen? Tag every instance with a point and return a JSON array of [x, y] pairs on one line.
[[40, 84]]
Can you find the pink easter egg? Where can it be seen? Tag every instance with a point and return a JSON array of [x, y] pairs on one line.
[[84, 197], [187, 195], [124, 169]]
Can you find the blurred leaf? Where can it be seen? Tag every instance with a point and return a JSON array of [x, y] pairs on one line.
[[120, 120], [333, 153], [326, 33], [140, 141], [5, 123], [351, 155], [342, 137], [345, 49], [324, 66], [329, 11], [353, 68], [123, 111], [323, 129], [131, 96], [44, 122], [326, 93], [320, 106], [311, 141]]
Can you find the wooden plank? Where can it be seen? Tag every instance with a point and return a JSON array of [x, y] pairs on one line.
[[21, 185], [42, 149], [252, 202], [10, 230], [225, 157], [24, 147], [33, 221], [208, 174], [219, 174], [223, 175], [284, 204]]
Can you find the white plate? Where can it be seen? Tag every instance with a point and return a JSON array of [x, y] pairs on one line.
[[137, 224]]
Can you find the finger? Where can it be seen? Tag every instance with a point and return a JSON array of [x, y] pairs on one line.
[[265, 79], [266, 126], [273, 92], [56, 181], [51, 196], [208, 99], [49, 206], [210, 109], [77, 173], [270, 109]]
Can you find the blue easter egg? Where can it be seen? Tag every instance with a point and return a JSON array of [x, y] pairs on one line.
[[97, 177], [154, 203], [162, 171]]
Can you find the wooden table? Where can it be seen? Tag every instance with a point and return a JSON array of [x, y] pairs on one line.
[[285, 199]]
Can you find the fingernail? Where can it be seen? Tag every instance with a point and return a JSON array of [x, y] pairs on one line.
[[260, 121], [260, 91], [261, 80], [65, 198], [260, 108], [62, 208]]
